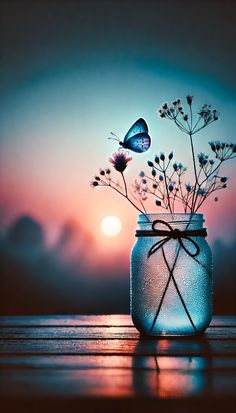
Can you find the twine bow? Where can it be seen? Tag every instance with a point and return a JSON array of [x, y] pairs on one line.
[[173, 233]]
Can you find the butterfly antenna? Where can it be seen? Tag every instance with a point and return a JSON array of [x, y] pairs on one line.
[[116, 137]]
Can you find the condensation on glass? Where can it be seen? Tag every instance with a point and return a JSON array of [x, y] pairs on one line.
[[184, 305]]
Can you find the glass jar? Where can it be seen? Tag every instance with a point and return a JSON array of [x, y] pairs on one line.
[[171, 275]]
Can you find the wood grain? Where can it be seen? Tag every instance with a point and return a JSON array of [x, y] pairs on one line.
[[50, 362], [122, 320], [154, 347], [101, 333]]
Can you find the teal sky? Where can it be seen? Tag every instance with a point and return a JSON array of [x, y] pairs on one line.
[[74, 71]]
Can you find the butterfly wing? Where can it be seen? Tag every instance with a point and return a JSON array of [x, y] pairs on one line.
[[138, 143], [139, 126]]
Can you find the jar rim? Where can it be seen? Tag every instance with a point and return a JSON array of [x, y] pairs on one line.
[[171, 217]]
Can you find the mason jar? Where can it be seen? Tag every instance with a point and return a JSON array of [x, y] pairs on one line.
[[171, 275]]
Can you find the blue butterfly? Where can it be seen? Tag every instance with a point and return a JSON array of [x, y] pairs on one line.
[[137, 138]]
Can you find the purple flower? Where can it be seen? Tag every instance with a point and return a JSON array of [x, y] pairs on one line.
[[189, 99], [120, 160]]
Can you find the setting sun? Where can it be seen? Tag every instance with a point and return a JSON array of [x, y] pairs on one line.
[[111, 226]]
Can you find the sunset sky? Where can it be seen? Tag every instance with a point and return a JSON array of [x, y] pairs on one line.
[[71, 72]]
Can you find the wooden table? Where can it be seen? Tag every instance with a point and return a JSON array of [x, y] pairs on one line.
[[101, 364]]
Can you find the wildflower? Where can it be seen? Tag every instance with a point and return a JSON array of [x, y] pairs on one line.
[[221, 149], [141, 174], [175, 166], [179, 168], [171, 187], [150, 163], [208, 114], [162, 156], [213, 146], [189, 99], [201, 191], [137, 187], [185, 118], [120, 160], [102, 172], [97, 178], [157, 159], [215, 114], [107, 171], [203, 159], [94, 184], [144, 181], [161, 178], [158, 203], [154, 172], [223, 179], [188, 187], [170, 156], [165, 105], [233, 147], [154, 186]]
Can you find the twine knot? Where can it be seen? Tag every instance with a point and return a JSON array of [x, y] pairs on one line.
[[173, 233]]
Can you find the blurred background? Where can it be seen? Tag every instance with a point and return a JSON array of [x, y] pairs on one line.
[[71, 72]]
